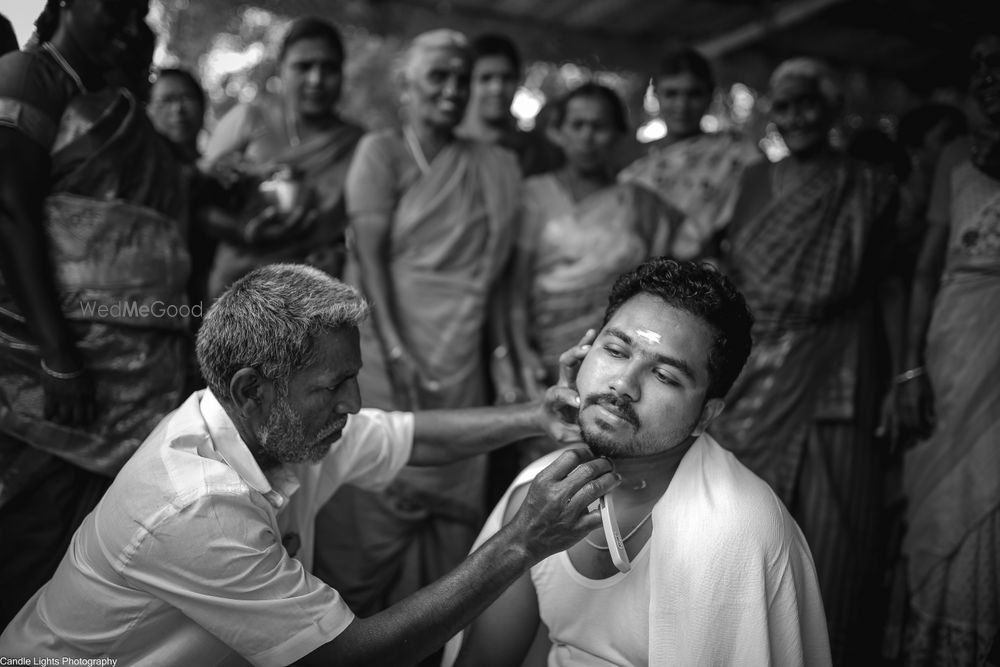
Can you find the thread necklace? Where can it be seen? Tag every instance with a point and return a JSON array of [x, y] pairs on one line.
[[625, 538]]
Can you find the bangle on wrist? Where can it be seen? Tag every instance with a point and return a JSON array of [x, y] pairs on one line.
[[59, 375], [906, 376]]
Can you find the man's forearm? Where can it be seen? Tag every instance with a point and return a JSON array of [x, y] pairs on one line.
[[445, 436], [411, 630]]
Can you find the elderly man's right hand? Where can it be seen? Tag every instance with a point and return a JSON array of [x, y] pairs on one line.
[[554, 514]]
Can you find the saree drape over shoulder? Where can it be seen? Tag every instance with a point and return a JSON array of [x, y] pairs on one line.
[[807, 265], [699, 176], [259, 135], [802, 414], [451, 236], [952, 480], [577, 250], [116, 241]]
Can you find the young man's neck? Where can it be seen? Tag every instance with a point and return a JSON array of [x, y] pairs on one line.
[[647, 477]]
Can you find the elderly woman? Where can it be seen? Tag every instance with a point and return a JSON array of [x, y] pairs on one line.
[[690, 169], [806, 246], [432, 216], [294, 142], [950, 395], [92, 328]]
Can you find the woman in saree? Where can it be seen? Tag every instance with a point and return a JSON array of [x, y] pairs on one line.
[[806, 246], [690, 169], [579, 231], [93, 335], [950, 396], [293, 142], [432, 219]]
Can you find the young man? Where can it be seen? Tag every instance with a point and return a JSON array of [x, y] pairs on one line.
[[191, 555], [496, 73], [720, 573]]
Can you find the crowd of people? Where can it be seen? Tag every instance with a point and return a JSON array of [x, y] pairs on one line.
[[260, 393]]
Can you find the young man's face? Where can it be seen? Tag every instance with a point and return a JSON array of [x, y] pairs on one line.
[[643, 384], [494, 82], [304, 423]]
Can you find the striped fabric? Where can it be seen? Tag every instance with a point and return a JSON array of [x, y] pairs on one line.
[[802, 413]]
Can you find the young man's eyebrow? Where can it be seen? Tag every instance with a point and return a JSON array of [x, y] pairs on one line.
[[674, 362], [618, 333]]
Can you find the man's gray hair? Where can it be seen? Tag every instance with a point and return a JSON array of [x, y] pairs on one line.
[[268, 320]]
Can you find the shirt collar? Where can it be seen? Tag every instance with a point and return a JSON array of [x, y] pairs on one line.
[[277, 485]]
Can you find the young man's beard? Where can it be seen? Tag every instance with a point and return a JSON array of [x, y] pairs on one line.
[[601, 443]]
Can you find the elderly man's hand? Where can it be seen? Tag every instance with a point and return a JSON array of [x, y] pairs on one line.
[[554, 514], [570, 360], [561, 403], [559, 408]]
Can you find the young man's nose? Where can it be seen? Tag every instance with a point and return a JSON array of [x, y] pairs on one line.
[[626, 385]]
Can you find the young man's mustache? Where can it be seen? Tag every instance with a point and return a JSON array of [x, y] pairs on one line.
[[616, 403]]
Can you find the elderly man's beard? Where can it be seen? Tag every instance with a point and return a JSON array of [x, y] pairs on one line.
[[283, 439]]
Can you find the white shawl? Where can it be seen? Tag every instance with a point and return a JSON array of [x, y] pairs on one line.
[[732, 579]]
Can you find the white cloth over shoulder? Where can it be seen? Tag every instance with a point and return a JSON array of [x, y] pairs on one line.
[[731, 576]]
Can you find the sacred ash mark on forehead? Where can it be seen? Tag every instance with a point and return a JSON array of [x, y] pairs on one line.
[[650, 337]]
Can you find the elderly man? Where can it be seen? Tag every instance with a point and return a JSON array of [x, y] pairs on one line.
[[713, 570], [189, 556]]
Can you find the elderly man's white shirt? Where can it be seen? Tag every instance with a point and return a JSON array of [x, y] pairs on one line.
[[182, 561]]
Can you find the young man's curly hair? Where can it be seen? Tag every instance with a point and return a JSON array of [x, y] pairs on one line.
[[700, 289]]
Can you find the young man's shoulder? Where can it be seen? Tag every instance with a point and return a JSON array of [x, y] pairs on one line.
[[739, 504]]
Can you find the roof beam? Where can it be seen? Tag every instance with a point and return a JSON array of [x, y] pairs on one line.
[[745, 35], [548, 40]]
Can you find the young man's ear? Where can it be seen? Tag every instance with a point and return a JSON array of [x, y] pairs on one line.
[[712, 409]]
